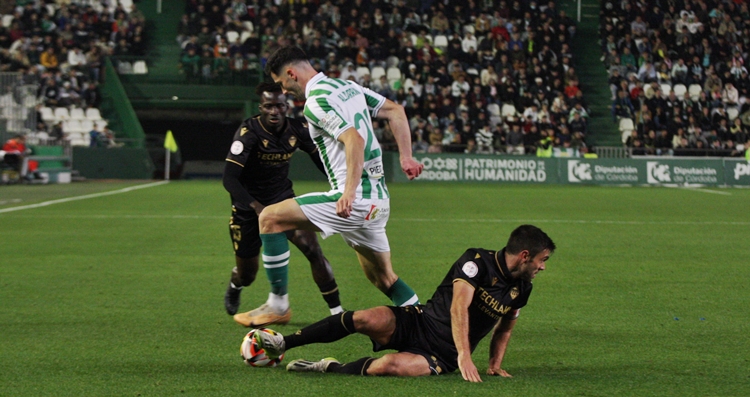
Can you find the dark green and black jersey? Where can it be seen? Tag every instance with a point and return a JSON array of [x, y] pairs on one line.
[[264, 158], [496, 295]]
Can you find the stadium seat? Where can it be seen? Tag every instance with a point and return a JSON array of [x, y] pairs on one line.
[[245, 35], [376, 72], [469, 29], [665, 89], [124, 67], [363, 70], [101, 124], [441, 41], [7, 20], [139, 67], [408, 83], [232, 36], [732, 113], [87, 125], [508, 110], [695, 91], [47, 115], [42, 137], [472, 71], [679, 90], [72, 126], [248, 25], [393, 73], [77, 114], [413, 38], [626, 128], [93, 114], [494, 109], [648, 91], [62, 114], [391, 61]]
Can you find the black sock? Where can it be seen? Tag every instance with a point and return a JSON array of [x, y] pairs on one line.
[[358, 367], [329, 329], [330, 292]]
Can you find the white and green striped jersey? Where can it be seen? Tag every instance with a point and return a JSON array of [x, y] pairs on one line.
[[332, 107]]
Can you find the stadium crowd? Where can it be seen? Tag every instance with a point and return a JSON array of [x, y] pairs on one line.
[[678, 74], [475, 76], [61, 46]]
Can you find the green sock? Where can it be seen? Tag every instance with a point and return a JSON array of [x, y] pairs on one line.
[[401, 294], [276, 261]]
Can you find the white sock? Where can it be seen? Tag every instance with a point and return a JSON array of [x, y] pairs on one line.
[[279, 303], [336, 310]]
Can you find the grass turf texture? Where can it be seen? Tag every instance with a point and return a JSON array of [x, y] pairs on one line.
[[122, 295]]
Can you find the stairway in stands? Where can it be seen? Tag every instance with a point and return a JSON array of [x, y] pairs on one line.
[[164, 54], [602, 130]]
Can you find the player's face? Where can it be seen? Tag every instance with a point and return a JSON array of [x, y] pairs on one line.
[[532, 266], [273, 108], [289, 84]]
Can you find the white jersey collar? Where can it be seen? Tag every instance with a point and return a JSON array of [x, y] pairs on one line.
[[314, 80]]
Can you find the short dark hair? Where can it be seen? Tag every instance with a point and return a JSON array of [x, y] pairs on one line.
[[267, 86], [284, 56], [531, 238]]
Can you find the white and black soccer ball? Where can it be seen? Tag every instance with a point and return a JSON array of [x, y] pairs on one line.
[[253, 354]]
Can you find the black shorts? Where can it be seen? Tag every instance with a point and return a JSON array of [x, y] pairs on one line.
[[412, 336], [245, 233]]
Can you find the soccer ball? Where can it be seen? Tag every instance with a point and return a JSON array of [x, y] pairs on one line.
[[253, 354]]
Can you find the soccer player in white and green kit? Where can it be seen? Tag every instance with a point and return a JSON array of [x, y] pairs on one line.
[[339, 115]]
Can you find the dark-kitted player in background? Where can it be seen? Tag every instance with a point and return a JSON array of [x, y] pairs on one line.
[[256, 175]]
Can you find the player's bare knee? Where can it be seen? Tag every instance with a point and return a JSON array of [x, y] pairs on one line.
[[267, 221]]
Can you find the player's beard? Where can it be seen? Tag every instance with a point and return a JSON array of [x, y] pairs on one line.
[[297, 90]]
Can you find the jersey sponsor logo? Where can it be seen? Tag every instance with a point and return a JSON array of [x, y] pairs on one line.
[[265, 143], [243, 131], [331, 121], [470, 269], [237, 148], [373, 212], [494, 281], [490, 305], [514, 293], [292, 140]]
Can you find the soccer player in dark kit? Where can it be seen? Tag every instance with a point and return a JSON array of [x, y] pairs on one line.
[[256, 175], [483, 291]]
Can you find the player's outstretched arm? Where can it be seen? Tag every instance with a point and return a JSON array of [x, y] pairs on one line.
[[463, 293], [354, 146], [500, 339], [396, 117]]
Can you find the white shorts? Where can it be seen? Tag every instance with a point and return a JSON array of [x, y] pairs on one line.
[[364, 227]]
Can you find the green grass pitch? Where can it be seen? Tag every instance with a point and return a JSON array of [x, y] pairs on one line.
[[121, 295]]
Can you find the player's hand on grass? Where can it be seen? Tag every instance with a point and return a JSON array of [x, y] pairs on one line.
[[344, 205], [468, 369], [412, 168], [498, 372]]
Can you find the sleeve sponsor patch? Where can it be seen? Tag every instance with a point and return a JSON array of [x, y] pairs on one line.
[[237, 148], [330, 122], [470, 269]]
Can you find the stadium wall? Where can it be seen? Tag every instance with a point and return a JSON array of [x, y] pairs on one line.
[[113, 163], [641, 171]]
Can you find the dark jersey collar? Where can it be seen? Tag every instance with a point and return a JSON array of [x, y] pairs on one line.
[[501, 265], [281, 130]]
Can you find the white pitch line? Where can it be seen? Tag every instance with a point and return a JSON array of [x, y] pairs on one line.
[[561, 221], [575, 221], [84, 197], [711, 191]]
